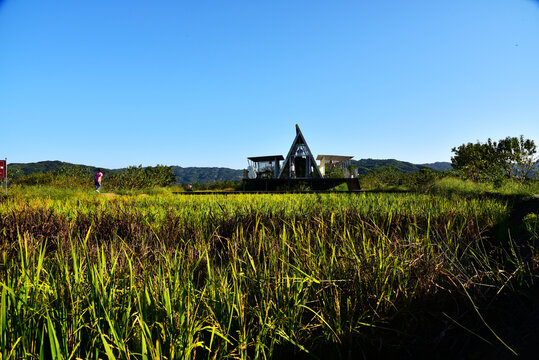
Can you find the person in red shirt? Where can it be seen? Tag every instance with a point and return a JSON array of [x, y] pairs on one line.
[[98, 177]]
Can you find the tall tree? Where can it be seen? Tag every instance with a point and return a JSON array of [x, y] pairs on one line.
[[519, 156], [509, 157], [478, 161]]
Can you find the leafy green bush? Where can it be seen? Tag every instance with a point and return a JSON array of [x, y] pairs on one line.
[[132, 178], [456, 185], [380, 178], [69, 177], [422, 180], [137, 177], [531, 221]]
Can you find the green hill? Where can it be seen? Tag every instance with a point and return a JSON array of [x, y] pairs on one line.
[[191, 175], [440, 166], [44, 166], [365, 165], [183, 175]]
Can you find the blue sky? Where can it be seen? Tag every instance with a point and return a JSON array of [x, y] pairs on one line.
[[208, 83]]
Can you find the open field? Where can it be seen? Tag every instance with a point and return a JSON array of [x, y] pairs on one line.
[[266, 276]]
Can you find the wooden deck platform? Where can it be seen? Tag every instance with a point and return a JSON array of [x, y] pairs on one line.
[[299, 184], [287, 186]]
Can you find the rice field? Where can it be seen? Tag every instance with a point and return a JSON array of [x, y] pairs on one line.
[[87, 276]]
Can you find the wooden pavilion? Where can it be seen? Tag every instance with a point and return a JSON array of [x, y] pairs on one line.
[[299, 170]]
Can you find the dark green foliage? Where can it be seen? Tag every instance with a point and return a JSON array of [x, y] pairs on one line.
[[531, 221], [423, 179], [137, 177], [519, 156], [366, 165], [510, 157], [332, 172], [44, 167], [134, 177], [217, 185], [439, 165], [388, 177], [192, 175], [187, 175], [380, 178], [203, 175], [478, 161], [63, 176]]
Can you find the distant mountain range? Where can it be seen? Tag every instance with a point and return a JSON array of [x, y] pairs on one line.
[[213, 174], [191, 175], [365, 165]]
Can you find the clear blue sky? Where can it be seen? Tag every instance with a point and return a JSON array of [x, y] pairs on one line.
[[208, 83]]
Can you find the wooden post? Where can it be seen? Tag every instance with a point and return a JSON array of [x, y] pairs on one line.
[[5, 174]]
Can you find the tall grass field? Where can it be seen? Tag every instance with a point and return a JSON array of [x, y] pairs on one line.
[[322, 276]]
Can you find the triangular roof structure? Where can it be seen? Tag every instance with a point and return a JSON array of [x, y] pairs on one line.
[[301, 156]]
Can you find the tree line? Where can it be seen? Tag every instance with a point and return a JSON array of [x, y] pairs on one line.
[[512, 157], [131, 178]]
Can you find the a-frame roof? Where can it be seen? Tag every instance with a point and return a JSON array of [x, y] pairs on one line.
[[299, 140]]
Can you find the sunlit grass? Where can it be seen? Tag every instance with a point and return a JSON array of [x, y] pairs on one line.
[[459, 186], [238, 276]]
